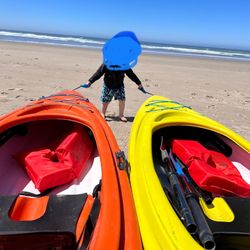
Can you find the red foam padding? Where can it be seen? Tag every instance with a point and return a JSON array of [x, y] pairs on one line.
[[48, 168], [211, 170]]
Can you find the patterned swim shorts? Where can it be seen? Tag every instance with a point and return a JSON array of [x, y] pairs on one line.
[[108, 94]]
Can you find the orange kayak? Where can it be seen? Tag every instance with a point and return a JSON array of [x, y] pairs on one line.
[[64, 183]]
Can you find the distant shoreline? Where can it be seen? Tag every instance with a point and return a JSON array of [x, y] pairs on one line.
[[145, 53], [147, 48]]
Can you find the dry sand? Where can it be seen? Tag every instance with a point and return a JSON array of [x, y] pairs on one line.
[[219, 89]]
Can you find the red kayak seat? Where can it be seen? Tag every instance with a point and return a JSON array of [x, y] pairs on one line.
[[49, 168], [211, 170]]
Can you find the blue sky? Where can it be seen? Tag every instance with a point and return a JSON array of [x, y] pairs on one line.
[[222, 23]]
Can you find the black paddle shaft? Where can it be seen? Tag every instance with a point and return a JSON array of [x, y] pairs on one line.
[[203, 231], [179, 193]]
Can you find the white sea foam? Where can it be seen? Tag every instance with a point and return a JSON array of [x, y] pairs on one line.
[[98, 43], [50, 37], [197, 51]]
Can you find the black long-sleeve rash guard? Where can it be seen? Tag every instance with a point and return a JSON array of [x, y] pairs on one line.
[[114, 79]]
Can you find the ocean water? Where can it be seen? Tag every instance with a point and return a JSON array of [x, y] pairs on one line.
[[153, 48]]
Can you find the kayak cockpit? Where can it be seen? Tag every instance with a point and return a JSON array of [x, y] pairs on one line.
[[210, 158], [207, 167], [47, 137], [50, 175]]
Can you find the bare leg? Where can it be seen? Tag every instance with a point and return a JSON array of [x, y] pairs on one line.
[[104, 108], [121, 110]]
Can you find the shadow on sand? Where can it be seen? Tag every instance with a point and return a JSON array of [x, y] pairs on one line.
[[109, 118]]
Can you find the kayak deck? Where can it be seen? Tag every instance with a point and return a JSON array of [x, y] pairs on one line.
[[160, 219], [106, 216]]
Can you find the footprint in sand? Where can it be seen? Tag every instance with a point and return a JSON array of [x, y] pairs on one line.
[[193, 95], [247, 99], [29, 99], [15, 89], [226, 92], [209, 96], [211, 106], [4, 96], [245, 102]]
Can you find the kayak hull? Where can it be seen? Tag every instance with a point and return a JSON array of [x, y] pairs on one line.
[[116, 202], [160, 226]]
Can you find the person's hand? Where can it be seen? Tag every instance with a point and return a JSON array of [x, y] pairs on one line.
[[86, 85], [140, 87]]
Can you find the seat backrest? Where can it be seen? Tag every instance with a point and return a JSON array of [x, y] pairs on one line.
[[55, 228]]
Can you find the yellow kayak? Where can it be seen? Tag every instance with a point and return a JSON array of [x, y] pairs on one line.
[[161, 223]]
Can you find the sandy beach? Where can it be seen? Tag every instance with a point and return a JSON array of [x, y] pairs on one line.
[[217, 88]]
